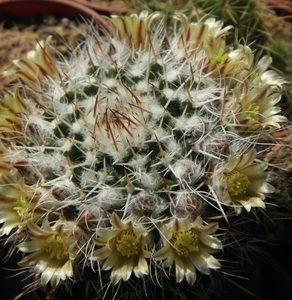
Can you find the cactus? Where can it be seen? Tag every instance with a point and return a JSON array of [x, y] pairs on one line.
[[118, 164]]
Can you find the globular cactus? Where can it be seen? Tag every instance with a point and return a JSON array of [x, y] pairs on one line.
[[116, 161]]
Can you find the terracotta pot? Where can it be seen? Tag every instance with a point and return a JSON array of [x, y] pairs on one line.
[[104, 9], [283, 6], [15, 9]]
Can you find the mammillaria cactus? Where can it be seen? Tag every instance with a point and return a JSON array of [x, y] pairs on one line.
[[121, 157]]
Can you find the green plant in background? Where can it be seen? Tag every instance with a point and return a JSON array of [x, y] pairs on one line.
[[244, 15], [281, 51], [119, 162]]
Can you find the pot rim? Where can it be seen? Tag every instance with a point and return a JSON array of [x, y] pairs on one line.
[[15, 9], [281, 5]]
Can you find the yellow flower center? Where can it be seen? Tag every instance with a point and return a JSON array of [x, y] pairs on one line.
[[252, 111], [253, 75], [128, 244], [56, 246], [237, 183], [221, 56], [185, 242], [21, 206]]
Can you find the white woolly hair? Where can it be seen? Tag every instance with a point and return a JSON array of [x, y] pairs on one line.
[[186, 171], [110, 198]]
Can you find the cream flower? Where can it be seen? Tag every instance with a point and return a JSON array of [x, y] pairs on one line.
[[217, 60], [123, 250], [17, 204], [254, 108], [232, 65], [202, 35], [11, 109], [189, 244], [5, 166], [36, 65], [134, 28], [244, 183], [52, 250]]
